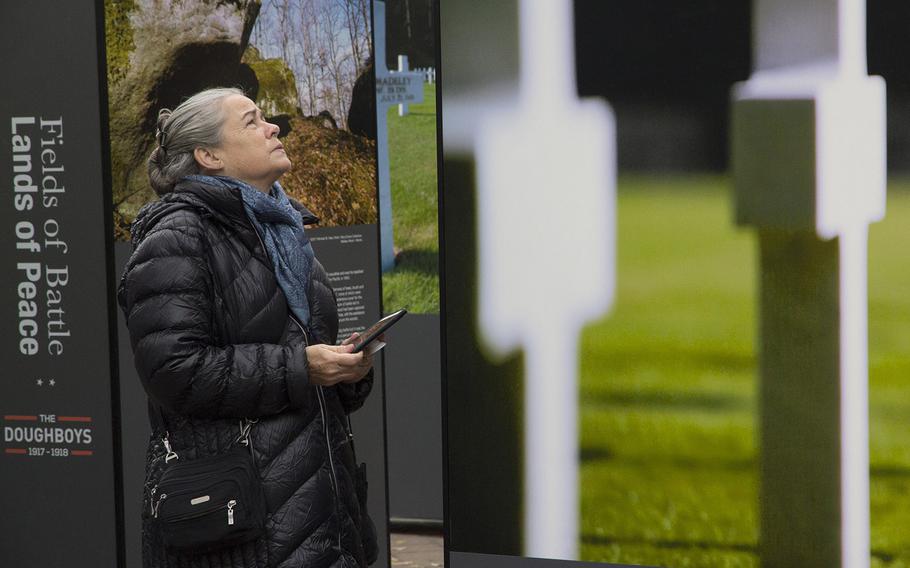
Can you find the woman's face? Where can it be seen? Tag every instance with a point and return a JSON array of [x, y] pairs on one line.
[[250, 150]]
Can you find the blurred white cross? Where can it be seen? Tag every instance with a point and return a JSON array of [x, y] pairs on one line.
[[546, 210], [809, 174]]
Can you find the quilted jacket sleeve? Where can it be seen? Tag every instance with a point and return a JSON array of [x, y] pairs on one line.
[[166, 295], [353, 395]]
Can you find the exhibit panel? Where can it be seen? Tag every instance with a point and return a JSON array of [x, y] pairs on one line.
[[59, 464], [76, 171], [406, 135], [324, 110], [629, 376]]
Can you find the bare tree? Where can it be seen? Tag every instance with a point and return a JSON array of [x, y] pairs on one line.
[[336, 60], [365, 10], [309, 32], [285, 28], [326, 43], [256, 37], [350, 17]]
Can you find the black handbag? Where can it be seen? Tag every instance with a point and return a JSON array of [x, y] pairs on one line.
[[209, 503]]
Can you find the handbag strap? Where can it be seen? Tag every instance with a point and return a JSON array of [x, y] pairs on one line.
[[350, 432], [156, 416], [159, 422]]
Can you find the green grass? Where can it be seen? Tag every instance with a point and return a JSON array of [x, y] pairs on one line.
[[414, 282], [668, 384]]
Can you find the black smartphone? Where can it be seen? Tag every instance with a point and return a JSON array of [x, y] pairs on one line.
[[376, 330]]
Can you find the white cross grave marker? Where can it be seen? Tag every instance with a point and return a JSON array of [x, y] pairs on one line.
[[403, 68], [392, 88], [809, 174], [546, 232]]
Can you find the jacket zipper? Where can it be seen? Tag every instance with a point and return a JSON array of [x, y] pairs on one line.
[[319, 394], [328, 445], [323, 412]]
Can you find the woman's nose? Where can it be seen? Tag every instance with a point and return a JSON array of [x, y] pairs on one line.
[[272, 129]]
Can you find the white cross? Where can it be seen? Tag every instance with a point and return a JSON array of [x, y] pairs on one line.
[[809, 174], [414, 95], [392, 88], [546, 210]]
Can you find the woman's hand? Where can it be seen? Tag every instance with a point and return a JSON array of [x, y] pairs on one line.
[[332, 364], [351, 340]]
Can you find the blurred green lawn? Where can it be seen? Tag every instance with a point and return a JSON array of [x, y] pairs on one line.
[[414, 282], [668, 384]]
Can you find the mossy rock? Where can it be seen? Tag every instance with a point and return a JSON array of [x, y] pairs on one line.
[[118, 35], [277, 85], [159, 54]]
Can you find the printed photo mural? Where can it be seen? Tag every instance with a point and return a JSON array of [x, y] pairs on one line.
[[306, 63]]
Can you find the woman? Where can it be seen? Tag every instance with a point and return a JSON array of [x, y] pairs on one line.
[[231, 317]]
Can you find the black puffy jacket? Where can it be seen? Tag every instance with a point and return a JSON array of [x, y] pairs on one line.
[[214, 342]]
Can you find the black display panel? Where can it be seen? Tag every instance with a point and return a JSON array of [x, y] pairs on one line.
[[59, 459]]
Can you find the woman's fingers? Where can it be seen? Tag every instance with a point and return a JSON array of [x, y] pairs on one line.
[[353, 366], [345, 359], [330, 364]]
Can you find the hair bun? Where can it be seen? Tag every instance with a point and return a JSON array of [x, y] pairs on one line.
[[158, 179], [156, 157], [163, 115], [196, 122]]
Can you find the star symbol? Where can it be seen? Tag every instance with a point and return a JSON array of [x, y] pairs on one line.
[[39, 382], [52, 382]]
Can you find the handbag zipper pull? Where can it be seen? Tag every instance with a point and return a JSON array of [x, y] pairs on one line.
[[245, 426], [152, 498], [156, 506], [171, 454], [231, 504]]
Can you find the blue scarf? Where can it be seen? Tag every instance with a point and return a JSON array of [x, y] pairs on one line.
[[281, 229]]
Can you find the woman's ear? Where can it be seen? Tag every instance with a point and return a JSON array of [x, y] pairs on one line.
[[208, 160]]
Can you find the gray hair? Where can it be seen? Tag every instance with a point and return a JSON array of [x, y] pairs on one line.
[[195, 123]]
